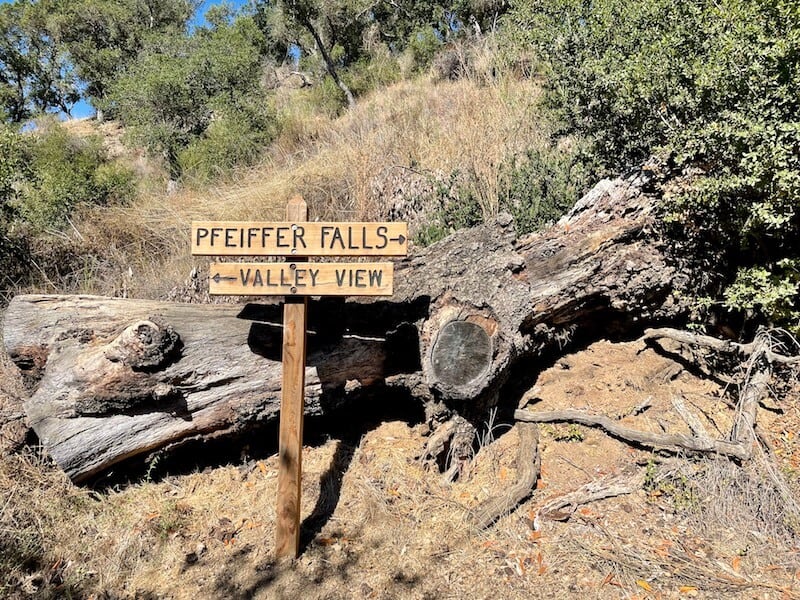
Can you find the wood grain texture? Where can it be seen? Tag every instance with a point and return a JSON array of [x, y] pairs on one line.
[[290, 441], [298, 238], [297, 278]]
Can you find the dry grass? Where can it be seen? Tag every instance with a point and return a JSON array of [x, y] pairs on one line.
[[379, 525], [336, 164]]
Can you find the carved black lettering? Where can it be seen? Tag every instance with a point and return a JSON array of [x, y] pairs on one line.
[[364, 244], [270, 283], [384, 239], [265, 233], [337, 236], [350, 243], [257, 279], [326, 231], [299, 232], [244, 277], [202, 233], [360, 276], [375, 277], [281, 236], [299, 276], [251, 235], [340, 275], [284, 281], [229, 241], [313, 273], [215, 233]]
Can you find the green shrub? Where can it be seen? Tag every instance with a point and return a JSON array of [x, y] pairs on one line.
[[422, 47], [456, 206], [540, 187], [326, 98], [236, 137], [64, 170], [711, 88], [371, 74]]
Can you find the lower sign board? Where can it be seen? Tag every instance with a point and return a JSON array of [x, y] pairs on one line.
[[301, 279]]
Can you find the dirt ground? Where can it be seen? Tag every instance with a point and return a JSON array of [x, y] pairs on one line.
[[378, 524]]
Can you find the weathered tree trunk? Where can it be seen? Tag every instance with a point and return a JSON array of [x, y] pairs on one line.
[[113, 378]]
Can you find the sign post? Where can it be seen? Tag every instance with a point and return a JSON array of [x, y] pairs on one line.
[[290, 437], [296, 279]]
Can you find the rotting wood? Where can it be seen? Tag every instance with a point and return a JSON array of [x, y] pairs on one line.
[[600, 269], [529, 463]]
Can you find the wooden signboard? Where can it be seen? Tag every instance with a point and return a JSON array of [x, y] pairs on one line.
[[296, 238], [297, 279], [301, 279]]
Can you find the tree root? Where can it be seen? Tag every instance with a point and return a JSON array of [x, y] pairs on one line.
[[529, 464], [450, 447], [675, 442], [765, 344]]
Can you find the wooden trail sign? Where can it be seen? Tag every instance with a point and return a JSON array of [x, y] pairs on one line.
[[297, 279], [301, 279], [298, 238]]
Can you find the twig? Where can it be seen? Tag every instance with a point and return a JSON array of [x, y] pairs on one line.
[[529, 463], [695, 426], [590, 492], [673, 442]]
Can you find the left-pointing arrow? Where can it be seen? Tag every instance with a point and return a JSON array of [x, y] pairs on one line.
[[217, 278]]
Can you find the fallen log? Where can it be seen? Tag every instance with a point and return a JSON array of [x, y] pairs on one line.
[[112, 378]]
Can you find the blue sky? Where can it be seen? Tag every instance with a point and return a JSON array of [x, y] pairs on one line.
[[82, 109]]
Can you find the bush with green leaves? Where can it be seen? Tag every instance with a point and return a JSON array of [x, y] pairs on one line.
[[455, 205], [185, 91], [711, 88], [61, 171], [541, 186]]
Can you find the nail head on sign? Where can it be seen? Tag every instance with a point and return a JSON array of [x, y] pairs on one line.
[[292, 266], [294, 290]]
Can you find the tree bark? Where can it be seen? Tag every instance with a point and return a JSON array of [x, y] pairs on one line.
[[112, 378]]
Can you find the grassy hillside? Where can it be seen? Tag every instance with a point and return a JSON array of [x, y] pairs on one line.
[[413, 138]]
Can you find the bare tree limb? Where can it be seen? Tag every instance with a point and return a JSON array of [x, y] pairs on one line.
[[726, 346], [562, 507], [672, 442]]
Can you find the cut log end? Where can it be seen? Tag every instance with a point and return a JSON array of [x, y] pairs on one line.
[[461, 354]]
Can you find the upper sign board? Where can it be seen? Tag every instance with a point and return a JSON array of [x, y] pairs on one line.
[[248, 238]]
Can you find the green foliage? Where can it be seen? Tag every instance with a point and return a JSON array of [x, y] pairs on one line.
[[674, 487], [103, 37], [568, 433], [62, 171], [456, 206], [236, 137], [173, 93], [542, 186], [327, 98], [771, 289], [35, 73], [712, 89], [423, 45], [12, 163]]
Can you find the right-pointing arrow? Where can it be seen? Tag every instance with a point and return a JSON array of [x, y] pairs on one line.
[[401, 239]]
